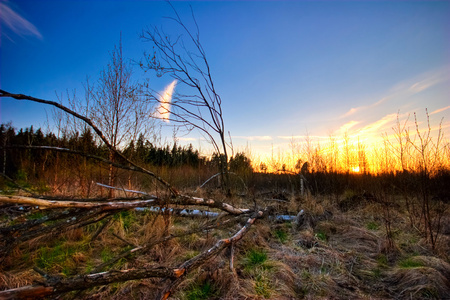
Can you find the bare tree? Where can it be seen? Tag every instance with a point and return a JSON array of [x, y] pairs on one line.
[[428, 154], [115, 105], [184, 59]]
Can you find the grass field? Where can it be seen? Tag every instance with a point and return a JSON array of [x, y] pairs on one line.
[[333, 251]]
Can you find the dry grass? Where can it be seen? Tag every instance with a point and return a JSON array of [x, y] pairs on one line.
[[428, 277], [338, 255]]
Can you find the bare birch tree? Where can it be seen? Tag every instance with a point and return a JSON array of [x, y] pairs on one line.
[[116, 107]]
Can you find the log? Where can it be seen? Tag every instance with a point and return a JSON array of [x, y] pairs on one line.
[[206, 255], [188, 200], [111, 205], [122, 189], [114, 205], [56, 285], [154, 242], [27, 292], [74, 220]]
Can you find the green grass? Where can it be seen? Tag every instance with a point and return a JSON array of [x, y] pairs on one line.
[[372, 225], [106, 254], [409, 263], [262, 286], [36, 215], [376, 273], [382, 260], [281, 235], [254, 258], [89, 266], [306, 275], [126, 218], [201, 291], [58, 257], [188, 255], [321, 236], [429, 293], [41, 188], [257, 265], [22, 179], [382, 264], [348, 194]]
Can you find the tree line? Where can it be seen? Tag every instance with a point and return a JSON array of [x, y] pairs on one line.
[[17, 157], [141, 150]]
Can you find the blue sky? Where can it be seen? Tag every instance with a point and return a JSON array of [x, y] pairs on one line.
[[283, 69]]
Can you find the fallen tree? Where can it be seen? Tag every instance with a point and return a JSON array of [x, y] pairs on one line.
[[64, 214], [54, 285]]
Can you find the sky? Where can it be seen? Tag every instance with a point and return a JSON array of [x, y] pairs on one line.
[[285, 70]]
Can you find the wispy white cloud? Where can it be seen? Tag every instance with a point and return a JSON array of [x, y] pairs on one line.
[[352, 111], [439, 110], [429, 80], [370, 132], [165, 99], [406, 89], [16, 23], [301, 137], [254, 138]]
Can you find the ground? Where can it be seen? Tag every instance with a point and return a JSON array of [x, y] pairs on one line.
[[332, 251]]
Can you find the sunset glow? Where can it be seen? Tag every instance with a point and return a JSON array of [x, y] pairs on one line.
[[374, 148]]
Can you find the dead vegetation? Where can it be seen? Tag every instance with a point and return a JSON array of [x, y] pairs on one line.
[[326, 254]]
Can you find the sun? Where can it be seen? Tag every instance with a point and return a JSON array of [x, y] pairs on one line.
[[355, 169]]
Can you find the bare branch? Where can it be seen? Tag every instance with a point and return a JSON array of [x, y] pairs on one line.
[[203, 257], [202, 109], [95, 128]]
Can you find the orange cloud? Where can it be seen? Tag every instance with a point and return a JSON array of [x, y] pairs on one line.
[[348, 125], [375, 126]]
